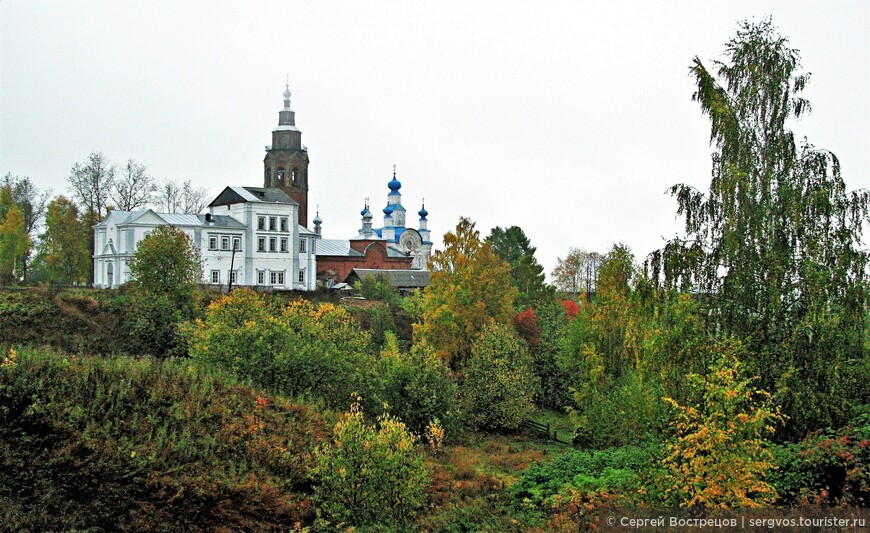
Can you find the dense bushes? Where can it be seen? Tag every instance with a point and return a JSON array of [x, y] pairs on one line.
[[500, 383], [299, 349], [369, 476], [830, 467], [619, 470], [109, 444]]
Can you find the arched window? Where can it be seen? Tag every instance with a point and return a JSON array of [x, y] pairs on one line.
[[280, 179], [295, 176]]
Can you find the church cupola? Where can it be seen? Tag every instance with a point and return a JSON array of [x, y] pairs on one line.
[[394, 213], [317, 222], [286, 162], [424, 223]]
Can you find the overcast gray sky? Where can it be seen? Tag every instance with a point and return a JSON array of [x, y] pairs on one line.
[[568, 119]]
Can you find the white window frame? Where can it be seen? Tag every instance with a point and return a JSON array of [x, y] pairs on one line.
[[285, 225], [261, 223], [212, 242], [301, 275], [215, 277], [261, 277], [261, 244], [273, 223], [273, 243], [302, 246], [281, 278], [225, 242], [284, 243], [237, 244], [233, 276]]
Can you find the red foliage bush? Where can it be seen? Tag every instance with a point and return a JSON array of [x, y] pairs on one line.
[[526, 324]]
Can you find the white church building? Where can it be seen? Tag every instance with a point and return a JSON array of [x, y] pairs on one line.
[[257, 236], [248, 236]]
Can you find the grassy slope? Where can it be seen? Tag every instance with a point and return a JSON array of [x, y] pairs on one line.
[[91, 443]]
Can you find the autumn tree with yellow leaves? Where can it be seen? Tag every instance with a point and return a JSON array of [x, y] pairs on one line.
[[470, 289], [719, 455]]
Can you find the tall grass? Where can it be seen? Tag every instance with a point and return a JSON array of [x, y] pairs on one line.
[[141, 444]]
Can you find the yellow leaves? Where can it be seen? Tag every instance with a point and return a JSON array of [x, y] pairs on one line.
[[8, 360]]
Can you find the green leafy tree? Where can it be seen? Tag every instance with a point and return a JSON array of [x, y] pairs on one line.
[[370, 476], [15, 243], [378, 287], [32, 204], [470, 288], [500, 383], [775, 244], [515, 249], [63, 254], [416, 388], [165, 270], [720, 455]]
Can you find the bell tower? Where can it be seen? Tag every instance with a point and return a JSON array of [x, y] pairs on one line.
[[286, 162]]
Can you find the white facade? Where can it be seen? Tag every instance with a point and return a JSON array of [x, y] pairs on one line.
[[271, 249]]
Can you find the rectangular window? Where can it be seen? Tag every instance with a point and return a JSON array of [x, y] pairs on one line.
[[237, 244], [216, 276], [261, 277], [272, 224], [261, 244], [301, 246], [261, 223], [272, 243], [212, 243], [284, 224], [284, 244], [131, 245], [225, 243], [329, 283], [280, 278], [273, 278], [232, 277], [301, 275]]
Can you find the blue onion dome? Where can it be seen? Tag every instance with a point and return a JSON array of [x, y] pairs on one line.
[[394, 184], [364, 211], [317, 219], [388, 211], [422, 212]]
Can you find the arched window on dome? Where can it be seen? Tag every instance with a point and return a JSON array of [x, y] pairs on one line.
[[295, 176], [280, 177]]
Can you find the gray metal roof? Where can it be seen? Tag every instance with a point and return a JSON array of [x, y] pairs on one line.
[[221, 221], [266, 194], [305, 231], [179, 219], [395, 251], [398, 278], [336, 247]]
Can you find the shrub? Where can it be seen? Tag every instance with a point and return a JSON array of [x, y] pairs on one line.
[[369, 476], [300, 349], [611, 470], [718, 456], [827, 468], [416, 388], [500, 384]]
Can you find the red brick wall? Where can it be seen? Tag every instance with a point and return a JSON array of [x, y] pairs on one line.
[[339, 267]]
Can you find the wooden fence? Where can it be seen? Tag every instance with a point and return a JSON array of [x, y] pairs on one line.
[[543, 430]]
